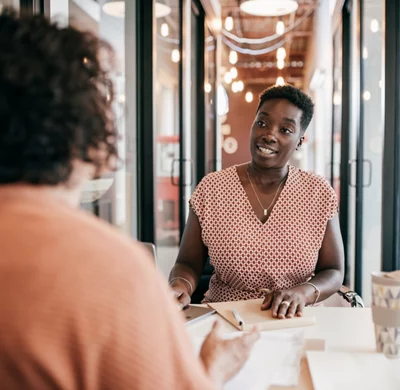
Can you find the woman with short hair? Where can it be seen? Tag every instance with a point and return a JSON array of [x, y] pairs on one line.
[[269, 229]]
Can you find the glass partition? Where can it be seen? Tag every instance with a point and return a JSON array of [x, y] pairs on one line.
[[372, 101]]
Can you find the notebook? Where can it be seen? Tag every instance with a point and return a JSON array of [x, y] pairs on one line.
[[251, 313]]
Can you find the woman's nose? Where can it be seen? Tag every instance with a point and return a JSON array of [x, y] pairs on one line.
[[269, 136]]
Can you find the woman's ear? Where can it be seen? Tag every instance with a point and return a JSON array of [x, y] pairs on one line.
[[300, 143]]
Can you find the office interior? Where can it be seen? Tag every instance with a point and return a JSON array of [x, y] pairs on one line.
[[188, 75]]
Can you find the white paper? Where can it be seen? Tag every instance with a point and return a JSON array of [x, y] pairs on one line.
[[353, 371], [275, 359]]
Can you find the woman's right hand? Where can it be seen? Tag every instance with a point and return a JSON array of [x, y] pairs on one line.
[[224, 358], [181, 294]]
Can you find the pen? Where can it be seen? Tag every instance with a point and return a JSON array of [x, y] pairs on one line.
[[238, 319]]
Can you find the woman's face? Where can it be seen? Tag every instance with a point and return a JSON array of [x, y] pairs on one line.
[[275, 133]]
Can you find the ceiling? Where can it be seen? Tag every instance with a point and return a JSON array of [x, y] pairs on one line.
[[257, 69]]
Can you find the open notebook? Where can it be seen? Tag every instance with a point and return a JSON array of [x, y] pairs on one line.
[[251, 313]]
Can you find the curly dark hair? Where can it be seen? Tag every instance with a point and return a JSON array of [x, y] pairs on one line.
[[294, 96], [56, 99]]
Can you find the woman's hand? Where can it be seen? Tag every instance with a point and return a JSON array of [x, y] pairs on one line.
[[180, 292], [223, 359], [286, 303]]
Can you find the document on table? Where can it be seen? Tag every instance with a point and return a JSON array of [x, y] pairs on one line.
[[353, 371], [275, 359], [251, 313]]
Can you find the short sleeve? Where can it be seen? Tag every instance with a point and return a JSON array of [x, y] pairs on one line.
[[332, 202], [197, 201]]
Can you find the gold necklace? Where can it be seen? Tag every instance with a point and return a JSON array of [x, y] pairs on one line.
[[255, 193]]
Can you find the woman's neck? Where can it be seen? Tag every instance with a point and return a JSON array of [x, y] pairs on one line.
[[267, 176]]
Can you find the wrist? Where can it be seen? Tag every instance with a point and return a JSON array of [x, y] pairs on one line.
[[212, 372], [308, 293], [182, 284]]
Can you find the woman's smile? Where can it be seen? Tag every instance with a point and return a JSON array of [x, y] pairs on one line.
[[266, 151]]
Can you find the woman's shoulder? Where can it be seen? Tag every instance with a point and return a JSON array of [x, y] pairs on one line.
[[310, 179], [219, 177]]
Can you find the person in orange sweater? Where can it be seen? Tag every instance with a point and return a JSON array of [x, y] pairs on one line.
[[81, 306]]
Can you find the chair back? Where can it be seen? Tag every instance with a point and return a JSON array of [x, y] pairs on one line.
[[204, 282], [344, 298]]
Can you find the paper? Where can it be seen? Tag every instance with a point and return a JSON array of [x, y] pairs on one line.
[[252, 314], [275, 359], [353, 371]]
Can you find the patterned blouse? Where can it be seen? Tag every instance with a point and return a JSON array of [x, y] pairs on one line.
[[247, 254]]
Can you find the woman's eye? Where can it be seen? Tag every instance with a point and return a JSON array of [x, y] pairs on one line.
[[286, 130], [260, 124]]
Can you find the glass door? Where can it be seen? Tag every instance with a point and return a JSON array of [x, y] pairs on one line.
[[336, 110], [372, 127], [112, 197], [210, 88], [167, 125]]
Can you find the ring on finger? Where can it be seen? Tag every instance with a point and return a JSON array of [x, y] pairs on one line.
[[285, 303]]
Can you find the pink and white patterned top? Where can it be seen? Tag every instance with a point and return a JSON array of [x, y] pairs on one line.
[[248, 255]]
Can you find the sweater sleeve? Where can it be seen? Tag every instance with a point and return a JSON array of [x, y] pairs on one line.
[[150, 348]]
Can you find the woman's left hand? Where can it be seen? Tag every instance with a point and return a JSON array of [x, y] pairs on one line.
[[285, 303]]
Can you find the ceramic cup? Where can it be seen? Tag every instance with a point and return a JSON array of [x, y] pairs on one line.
[[386, 314]]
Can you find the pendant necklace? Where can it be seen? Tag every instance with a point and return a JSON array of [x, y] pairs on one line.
[[266, 210]]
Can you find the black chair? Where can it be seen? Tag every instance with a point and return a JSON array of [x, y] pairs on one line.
[[203, 284]]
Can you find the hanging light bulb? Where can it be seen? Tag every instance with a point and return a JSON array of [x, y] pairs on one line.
[[280, 27], [240, 85], [280, 81], [337, 98], [233, 72], [366, 95], [164, 29], [229, 23], [374, 26], [175, 55], [207, 87], [228, 77], [234, 87], [249, 97], [233, 57], [281, 53], [280, 64]]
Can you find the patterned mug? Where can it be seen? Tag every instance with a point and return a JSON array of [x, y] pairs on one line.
[[386, 314]]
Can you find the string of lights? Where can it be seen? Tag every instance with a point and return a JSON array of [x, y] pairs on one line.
[[270, 38], [255, 52]]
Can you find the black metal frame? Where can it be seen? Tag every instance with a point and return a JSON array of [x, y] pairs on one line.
[[145, 121], [391, 156], [182, 166], [359, 165], [345, 136], [31, 7], [201, 108]]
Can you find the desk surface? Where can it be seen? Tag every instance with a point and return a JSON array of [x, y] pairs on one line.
[[343, 329]]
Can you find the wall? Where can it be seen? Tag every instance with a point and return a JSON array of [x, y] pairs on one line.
[[240, 118]]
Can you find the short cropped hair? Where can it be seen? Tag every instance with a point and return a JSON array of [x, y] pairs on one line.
[[56, 100], [294, 96]]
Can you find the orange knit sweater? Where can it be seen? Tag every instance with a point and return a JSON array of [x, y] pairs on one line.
[[82, 307]]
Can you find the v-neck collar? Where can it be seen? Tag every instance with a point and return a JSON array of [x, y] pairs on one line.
[[278, 202]]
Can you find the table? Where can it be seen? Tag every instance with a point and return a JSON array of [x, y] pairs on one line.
[[343, 329]]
